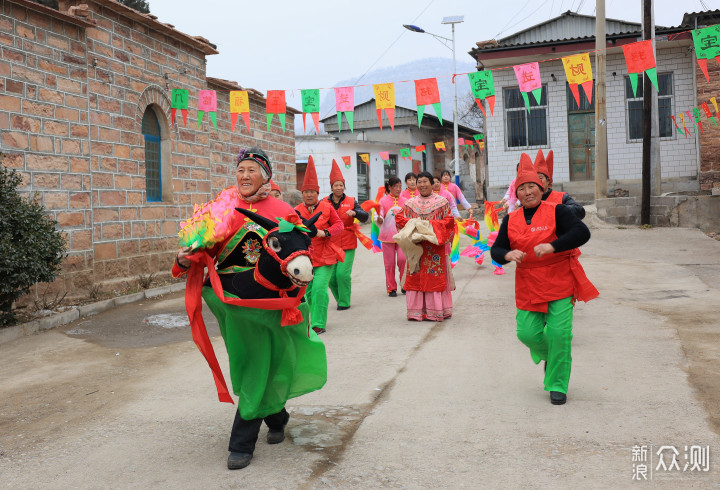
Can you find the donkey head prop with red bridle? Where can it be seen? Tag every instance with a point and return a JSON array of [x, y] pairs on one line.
[[284, 261]]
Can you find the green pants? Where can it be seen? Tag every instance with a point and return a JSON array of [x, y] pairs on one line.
[[317, 296], [340, 285], [548, 336]]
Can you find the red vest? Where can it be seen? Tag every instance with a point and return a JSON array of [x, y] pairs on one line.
[[539, 280], [346, 239], [322, 251], [555, 197]]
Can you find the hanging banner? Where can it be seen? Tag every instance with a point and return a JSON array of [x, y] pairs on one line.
[[275, 104], [385, 156], [707, 46], [239, 104], [483, 88], [405, 153], [345, 104], [365, 157], [420, 149], [207, 102], [440, 145], [528, 77], [179, 99], [708, 114], [385, 99], [579, 72], [311, 105], [347, 160], [639, 58], [676, 124], [696, 113], [427, 93], [682, 118]]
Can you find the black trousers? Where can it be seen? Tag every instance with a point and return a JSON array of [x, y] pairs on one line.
[[245, 432]]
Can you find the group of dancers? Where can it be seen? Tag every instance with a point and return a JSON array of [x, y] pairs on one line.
[[273, 359]]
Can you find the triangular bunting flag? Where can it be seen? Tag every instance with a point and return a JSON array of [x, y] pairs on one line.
[[708, 114], [207, 102], [385, 156], [345, 104], [528, 77], [483, 88], [311, 105], [707, 46], [639, 58], [385, 99], [239, 104], [427, 93], [420, 149], [696, 113], [275, 104], [579, 72], [347, 160], [405, 153], [365, 157], [179, 100], [440, 145]]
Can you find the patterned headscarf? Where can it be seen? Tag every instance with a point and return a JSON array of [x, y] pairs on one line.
[[256, 155]]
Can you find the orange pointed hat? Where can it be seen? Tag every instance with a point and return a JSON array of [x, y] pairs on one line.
[[526, 173], [310, 182], [274, 186], [549, 163], [541, 166], [335, 174]]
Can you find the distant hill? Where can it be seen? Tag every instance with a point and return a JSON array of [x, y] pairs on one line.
[[440, 68]]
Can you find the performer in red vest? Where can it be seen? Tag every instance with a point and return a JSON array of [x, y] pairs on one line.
[[544, 168], [348, 210], [325, 254], [542, 239]]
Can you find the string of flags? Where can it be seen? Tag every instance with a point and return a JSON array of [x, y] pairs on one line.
[[406, 153], [694, 117], [639, 59]]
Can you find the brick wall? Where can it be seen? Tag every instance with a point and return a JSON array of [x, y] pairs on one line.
[[72, 100], [710, 137], [678, 154]]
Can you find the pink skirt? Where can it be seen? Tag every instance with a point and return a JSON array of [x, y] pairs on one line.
[[429, 306]]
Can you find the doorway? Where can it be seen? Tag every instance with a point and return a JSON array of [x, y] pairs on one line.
[[581, 136]]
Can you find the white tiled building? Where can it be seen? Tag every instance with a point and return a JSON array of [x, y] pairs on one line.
[[559, 124]]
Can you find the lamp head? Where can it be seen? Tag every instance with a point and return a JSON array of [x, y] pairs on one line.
[[413, 28]]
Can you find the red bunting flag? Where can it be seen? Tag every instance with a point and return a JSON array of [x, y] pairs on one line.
[[347, 160]]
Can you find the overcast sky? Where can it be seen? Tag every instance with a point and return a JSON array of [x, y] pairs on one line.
[[291, 44]]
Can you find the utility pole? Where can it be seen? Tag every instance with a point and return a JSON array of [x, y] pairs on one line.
[[601, 150], [647, 125], [655, 160]]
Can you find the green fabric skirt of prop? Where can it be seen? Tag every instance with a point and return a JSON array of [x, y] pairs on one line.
[[269, 364]]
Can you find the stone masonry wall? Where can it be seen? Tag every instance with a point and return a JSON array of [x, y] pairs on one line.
[[710, 137], [72, 100]]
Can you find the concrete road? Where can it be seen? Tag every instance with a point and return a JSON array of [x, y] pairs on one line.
[[125, 400]]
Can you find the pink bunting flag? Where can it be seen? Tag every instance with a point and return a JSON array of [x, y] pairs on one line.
[[345, 103], [207, 102], [528, 77]]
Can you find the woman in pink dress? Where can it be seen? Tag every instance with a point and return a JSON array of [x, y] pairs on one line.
[[448, 185], [390, 205], [438, 189], [411, 186]]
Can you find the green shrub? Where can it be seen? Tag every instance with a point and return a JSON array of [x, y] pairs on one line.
[[31, 248]]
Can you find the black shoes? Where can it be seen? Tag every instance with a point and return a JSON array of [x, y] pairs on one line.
[[341, 308], [557, 398], [276, 437], [393, 294], [237, 461], [403, 291]]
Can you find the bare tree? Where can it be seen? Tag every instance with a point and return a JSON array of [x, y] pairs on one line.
[[469, 113]]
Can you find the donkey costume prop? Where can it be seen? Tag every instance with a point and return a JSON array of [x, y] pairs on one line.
[[261, 313]]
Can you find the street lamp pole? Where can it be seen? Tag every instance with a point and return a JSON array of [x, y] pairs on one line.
[[455, 115], [457, 19]]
